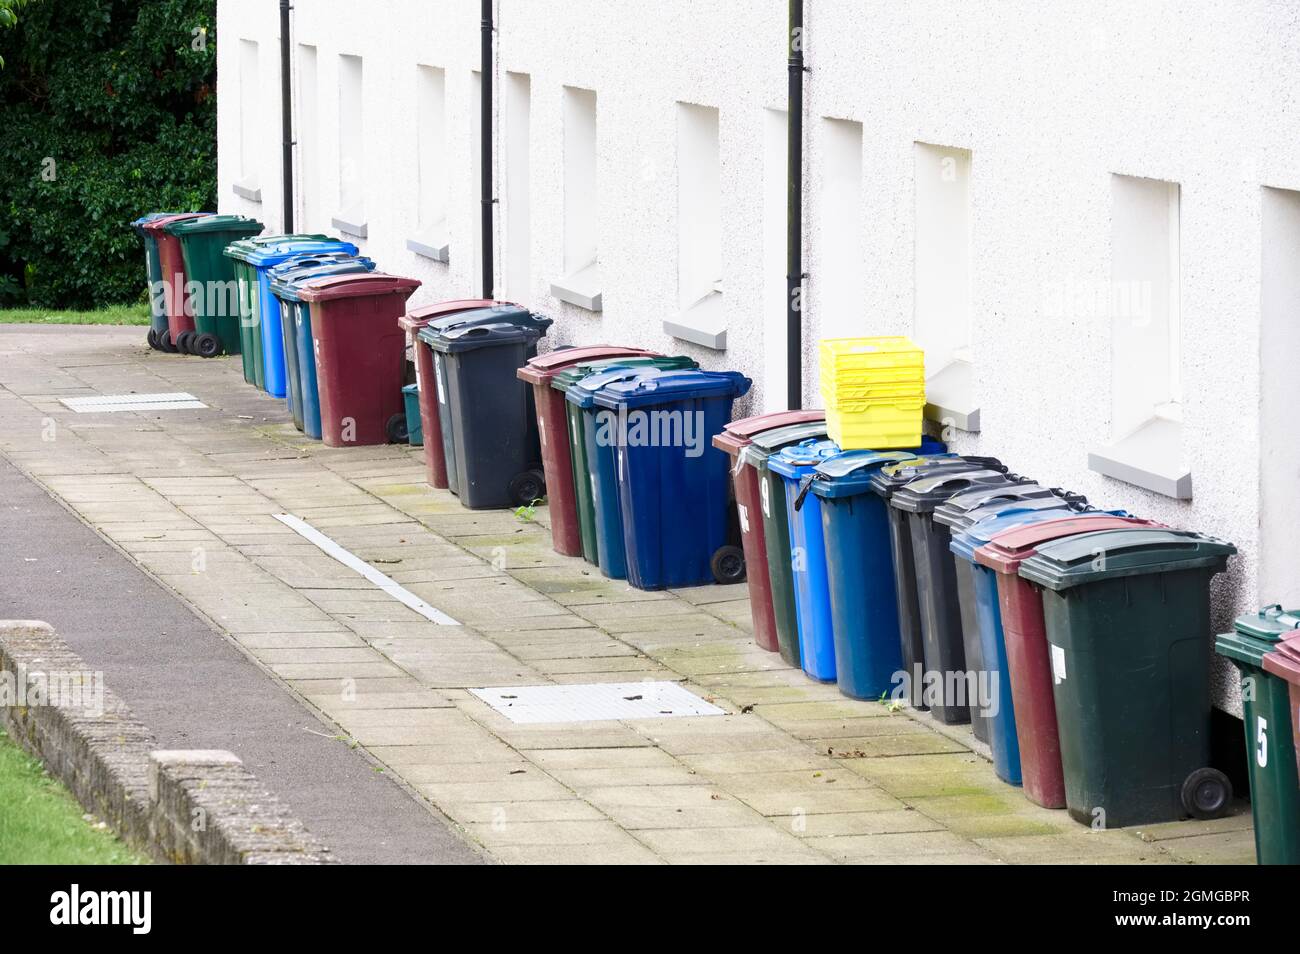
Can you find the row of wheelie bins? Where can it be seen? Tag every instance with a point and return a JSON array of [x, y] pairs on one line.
[[311, 319], [1075, 641], [1265, 649]]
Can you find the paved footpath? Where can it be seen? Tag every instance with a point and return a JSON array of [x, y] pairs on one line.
[[793, 773]]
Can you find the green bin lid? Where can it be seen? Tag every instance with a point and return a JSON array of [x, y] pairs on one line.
[[1072, 561], [240, 225], [1255, 634]]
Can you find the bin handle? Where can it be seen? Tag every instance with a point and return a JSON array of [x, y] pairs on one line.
[[1275, 611], [805, 484]]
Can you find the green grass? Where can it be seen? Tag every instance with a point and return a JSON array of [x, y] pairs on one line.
[[112, 315], [41, 823]]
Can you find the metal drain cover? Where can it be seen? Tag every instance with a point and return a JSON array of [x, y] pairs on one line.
[[595, 702]]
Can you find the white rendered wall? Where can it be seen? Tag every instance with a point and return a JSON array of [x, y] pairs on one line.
[[1051, 100]]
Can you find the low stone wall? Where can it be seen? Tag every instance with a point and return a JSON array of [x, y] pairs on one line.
[[187, 807]]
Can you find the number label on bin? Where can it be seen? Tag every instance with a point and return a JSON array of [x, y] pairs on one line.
[[767, 505], [1058, 665], [743, 513], [1261, 737]]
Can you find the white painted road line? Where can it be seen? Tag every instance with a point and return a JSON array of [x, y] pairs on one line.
[[354, 562]]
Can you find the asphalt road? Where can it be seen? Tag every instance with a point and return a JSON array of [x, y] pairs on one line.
[[195, 690]]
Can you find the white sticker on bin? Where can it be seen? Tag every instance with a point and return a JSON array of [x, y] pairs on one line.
[[1058, 665]]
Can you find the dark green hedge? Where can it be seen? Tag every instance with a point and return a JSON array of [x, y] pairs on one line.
[[117, 95]]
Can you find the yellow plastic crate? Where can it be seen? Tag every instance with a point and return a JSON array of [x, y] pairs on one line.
[[876, 426], [894, 351]]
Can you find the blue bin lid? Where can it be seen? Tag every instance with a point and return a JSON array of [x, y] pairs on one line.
[[306, 260], [669, 386], [583, 391], [849, 473], [284, 283], [1016, 514], [473, 337], [802, 458], [501, 314], [276, 253]]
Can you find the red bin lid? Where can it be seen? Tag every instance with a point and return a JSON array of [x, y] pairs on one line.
[[1005, 552], [541, 369], [359, 285], [1284, 661], [417, 318], [747, 427], [156, 225]]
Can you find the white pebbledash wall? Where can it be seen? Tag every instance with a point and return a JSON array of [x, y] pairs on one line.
[[1046, 102]]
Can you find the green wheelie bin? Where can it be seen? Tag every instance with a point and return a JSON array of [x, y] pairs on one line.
[[215, 293], [1270, 747], [1128, 629], [584, 500], [776, 529], [250, 306]]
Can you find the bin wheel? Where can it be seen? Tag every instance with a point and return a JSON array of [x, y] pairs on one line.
[[526, 487], [397, 431], [205, 345], [152, 338], [183, 341], [164, 339], [1206, 793], [728, 564]]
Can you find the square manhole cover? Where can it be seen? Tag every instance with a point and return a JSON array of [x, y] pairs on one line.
[[595, 702]]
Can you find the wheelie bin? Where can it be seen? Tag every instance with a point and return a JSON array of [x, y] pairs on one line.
[[215, 298], [1270, 745], [268, 342], [486, 311], [414, 429], [153, 276], [1284, 662], [957, 513], [1024, 637], [883, 483], [776, 528], [812, 597], [949, 686], [864, 605], [553, 434], [598, 456], [744, 481], [589, 468], [982, 619], [250, 303], [1128, 622], [170, 294], [672, 482], [360, 353], [295, 321], [489, 426]]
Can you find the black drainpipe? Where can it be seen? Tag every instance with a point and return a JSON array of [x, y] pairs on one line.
[[485, 149], [794, 274], [286, 115]]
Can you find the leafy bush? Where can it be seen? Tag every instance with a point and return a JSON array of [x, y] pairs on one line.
[[107, 111]]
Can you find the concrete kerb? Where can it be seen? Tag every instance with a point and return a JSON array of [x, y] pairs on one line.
[[187, 807]]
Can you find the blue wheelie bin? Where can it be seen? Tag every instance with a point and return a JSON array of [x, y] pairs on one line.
[[301, 392], [860, 573], [812, 598], [272, 335], [673, 484], [602, 474]]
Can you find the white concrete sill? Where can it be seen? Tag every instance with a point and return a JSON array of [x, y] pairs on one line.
[[703, 323], [582, 288], [950, 397], [247, 189], [1151, 457], [431, 243], [350, 223]]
